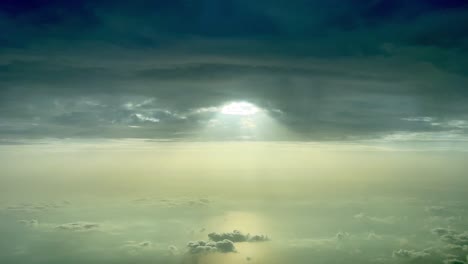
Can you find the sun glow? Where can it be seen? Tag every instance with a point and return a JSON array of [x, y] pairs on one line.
[[239, 108]]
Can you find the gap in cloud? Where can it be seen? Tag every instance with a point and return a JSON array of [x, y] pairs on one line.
[[239, 108], [240, 120]]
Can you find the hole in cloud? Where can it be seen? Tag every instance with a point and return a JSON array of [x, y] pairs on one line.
[[239, 109]]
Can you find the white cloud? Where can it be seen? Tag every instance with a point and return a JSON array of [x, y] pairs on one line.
[[142, 117], [419, 119], [384, 220], [411, 254]]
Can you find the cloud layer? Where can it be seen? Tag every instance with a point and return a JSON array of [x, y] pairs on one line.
[[325, 70]]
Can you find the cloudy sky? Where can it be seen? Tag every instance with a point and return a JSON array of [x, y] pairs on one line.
[[233, 131], [317, 70]]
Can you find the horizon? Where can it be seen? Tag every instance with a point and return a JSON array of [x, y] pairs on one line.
[[233, 131]]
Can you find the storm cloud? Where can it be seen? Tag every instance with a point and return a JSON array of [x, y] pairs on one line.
[[329, 70]]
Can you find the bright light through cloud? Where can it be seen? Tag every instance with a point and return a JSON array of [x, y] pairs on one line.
[[239, 108]]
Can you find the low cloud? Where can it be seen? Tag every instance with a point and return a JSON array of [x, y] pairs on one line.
[[173, 202], [411, 254], [383, 220], [438, 210], [30, 223], [223, 246], [342, 235], [37, 207], [451, 236], [173, 250], [237, 236], [328, 242], [135, 247], [373, 236], [454, 261], [223, 242], [78, 226]]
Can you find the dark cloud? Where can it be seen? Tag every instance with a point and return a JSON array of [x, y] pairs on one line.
[[37, 206], [452, 236], [237, 236], [454, 261], [223, 242], [342, 235], [334, 70], [222, 246], [78, 227], [456, 244]]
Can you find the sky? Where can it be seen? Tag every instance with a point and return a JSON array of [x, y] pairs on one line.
[[233, 131], [319, 70]]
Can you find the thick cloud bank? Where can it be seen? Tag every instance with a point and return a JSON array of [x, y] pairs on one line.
[[326, 70]]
